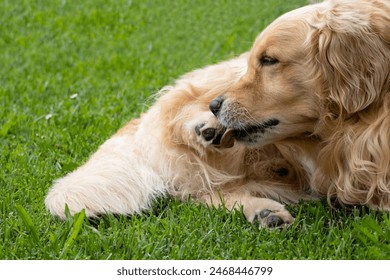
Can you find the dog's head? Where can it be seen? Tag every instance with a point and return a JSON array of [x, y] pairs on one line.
[[318, 64]]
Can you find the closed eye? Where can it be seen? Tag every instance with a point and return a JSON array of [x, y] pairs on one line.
[[267, 60]]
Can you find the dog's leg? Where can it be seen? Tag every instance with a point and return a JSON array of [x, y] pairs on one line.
[[269, 213], [114, 180]]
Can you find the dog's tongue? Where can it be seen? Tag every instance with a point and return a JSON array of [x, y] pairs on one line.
[[227, 140]]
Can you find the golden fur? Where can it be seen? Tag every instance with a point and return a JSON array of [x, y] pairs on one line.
[[173, 150], [322, 70]]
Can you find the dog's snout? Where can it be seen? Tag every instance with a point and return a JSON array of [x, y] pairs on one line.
[[216, 104]]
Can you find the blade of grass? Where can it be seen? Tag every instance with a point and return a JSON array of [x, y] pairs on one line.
[[28, 222], [78, 220], [77, 225]]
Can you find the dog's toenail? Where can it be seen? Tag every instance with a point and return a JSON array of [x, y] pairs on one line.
[[264, 213], [274, 221], [208, 133]]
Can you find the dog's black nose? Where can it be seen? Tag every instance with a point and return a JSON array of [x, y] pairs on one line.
[[216, 104]]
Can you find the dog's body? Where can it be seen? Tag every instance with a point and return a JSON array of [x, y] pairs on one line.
[[312, 99], [322, 70], [175, 149]]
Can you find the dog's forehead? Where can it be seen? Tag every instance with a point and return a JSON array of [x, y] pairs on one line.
[[287, 30], [279, 37]]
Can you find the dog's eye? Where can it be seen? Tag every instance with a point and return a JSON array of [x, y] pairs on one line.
[[267, 60]]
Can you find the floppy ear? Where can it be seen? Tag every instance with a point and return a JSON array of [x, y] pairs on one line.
[[355, 64]]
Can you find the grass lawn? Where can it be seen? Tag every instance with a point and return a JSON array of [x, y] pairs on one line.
[[73, 72]]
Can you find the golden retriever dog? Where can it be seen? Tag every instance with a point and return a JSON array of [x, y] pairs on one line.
[[178, 148], [322, 70]]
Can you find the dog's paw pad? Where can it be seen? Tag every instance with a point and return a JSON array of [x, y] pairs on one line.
[[198, 127], [264, 213], [273, 219], [208, 134]]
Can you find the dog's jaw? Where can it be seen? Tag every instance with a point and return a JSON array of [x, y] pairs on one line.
[[245, 128], [255, 134]]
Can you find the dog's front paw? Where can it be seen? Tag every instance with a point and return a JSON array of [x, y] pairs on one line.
[[209, 132], [207, 135], [273, 219], [268, 213]]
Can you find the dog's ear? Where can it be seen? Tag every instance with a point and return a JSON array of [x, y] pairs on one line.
[[354, 59]]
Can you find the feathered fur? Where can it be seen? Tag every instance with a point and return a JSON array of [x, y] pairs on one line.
[[330, 78], [165, 152]]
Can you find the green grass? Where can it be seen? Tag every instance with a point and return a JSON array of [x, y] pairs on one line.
[[114, 55]]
